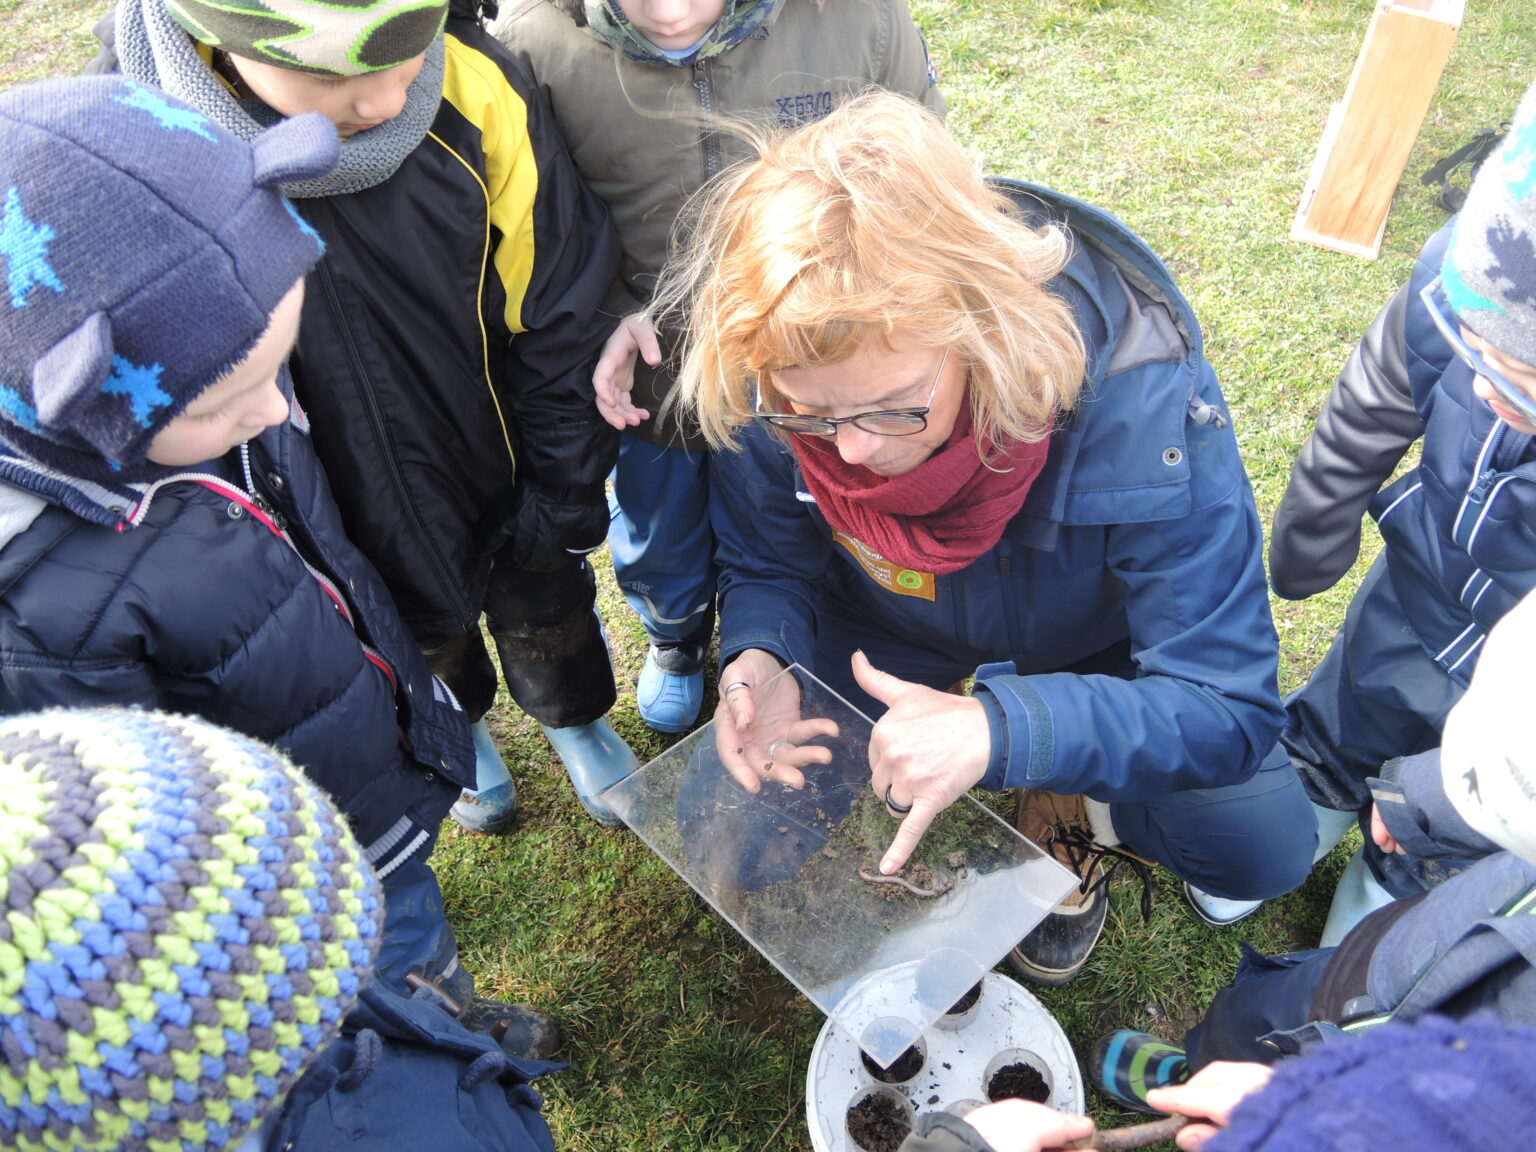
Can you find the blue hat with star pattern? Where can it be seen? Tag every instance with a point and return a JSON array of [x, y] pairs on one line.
[[142, 250]]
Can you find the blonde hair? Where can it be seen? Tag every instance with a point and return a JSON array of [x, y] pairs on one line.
[[868, 222]]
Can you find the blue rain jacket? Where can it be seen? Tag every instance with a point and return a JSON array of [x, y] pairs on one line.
[[1139, 537]]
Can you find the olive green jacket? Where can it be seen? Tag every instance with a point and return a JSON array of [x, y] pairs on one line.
[[636, 132]]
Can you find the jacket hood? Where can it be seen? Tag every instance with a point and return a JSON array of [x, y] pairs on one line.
[[1135, 323]]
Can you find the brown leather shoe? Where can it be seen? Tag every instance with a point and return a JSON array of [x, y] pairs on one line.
[[1060, 944]]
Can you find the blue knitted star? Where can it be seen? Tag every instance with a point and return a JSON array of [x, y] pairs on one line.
[[171, 117], [19, 410], [141, 384], [305, 226], [25, 248]]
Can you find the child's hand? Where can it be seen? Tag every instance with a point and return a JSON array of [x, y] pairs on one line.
[[1210, 1095], [614, 375], [1024, 1126], [1380, 835]]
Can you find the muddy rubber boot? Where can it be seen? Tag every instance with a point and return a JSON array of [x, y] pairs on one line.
[[1060, 944], [524, 1033], [490, 806]]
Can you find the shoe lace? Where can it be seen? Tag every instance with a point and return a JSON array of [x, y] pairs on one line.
[[1083, 852]]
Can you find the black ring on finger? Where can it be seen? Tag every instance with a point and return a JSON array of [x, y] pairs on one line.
[[899, 809]]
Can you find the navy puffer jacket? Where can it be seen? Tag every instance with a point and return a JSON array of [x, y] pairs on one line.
[[184, 597]]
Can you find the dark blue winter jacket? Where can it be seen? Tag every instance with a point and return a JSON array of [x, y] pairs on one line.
[[1460, 528], [407, 1075], [184, 597], [1140, 534], [1470, 943]]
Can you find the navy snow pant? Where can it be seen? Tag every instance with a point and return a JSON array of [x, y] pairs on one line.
[[549, 641], [660, 537], [1376, 695], [1268, 994]]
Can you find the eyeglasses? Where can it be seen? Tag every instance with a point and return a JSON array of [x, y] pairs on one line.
[[887, 422], [1448, 327]]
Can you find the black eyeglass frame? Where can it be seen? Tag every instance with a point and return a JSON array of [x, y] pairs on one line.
[[827, 425]]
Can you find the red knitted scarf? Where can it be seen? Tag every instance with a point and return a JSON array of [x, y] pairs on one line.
[[937, 518]]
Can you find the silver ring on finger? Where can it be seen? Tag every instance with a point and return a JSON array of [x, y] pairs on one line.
[[733, 685], [773, 749], [890, 802]]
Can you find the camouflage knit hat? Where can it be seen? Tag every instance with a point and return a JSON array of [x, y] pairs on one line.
[[1489, 274], [330, 37], [187, 920]]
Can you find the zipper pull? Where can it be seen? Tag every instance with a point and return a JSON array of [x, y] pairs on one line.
[[1479, 491]]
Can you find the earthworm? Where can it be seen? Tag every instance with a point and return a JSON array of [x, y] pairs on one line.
[[880, 878], [1136, 1136]]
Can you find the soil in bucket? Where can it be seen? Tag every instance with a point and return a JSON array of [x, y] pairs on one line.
[[1018, 1080], [878, 1123], [966, 1002], [905, 1066]]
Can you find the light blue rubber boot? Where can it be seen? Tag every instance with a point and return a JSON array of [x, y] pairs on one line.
[[671, 687], [1357, 896], [595, 758], [491, 805]]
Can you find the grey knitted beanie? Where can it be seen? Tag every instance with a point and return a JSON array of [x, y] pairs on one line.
[[1489, 274], [143, 249], [187, 919]]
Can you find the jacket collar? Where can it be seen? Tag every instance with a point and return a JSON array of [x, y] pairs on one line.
[[742, 18]]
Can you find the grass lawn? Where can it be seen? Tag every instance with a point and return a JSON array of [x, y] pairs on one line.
[[1195, 121]]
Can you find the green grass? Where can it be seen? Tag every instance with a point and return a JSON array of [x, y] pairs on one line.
[[1195, 121]]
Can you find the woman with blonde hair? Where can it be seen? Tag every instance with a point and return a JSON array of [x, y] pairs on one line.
[[967, 429]]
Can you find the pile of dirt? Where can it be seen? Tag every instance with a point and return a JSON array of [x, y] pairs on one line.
[[878, 1123]]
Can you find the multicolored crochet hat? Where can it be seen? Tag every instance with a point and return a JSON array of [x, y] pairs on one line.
[[330, 37], [1489, 275], [187, 920], [1449, 1086], [143, 249]]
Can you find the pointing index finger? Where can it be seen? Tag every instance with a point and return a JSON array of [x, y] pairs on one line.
[[909, 835]]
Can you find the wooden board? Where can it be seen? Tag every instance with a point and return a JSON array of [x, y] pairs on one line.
[[1370, 133]]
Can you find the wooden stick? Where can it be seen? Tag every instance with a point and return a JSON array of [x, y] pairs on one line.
[[1135, 1136]]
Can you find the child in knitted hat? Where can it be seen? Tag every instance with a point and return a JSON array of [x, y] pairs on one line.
[[448, 340], [185, 959], [188, 920], [1449, 363], [167, 538]]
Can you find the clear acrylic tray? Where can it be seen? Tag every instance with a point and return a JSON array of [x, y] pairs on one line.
[[783, 867]]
